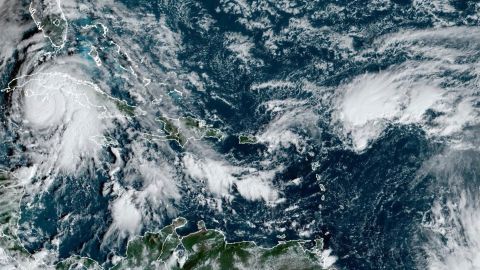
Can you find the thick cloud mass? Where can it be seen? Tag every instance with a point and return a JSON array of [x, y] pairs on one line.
[[353, 123]]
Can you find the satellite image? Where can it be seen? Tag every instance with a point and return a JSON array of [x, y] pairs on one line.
[[240, 134]]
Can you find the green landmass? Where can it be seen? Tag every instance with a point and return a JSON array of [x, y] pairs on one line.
[[172, 132], [192, 122], [152, 250], [207, 249], [11, 193], [201, 129], [54, 26], [176, 129], [247, 139], [80, 263], [125, 108], [213, 133]]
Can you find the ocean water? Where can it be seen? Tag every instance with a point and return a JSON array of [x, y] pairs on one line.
[[362, 115]]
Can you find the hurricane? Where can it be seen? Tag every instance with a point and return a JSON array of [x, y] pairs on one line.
[[239, 134]]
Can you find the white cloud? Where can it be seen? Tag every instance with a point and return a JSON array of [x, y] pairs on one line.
[[451, 227], [65, 114], [403, 94], [283, 130], [240, 45], [159, 191], [220, 177], [370, 101], [127, 218], [255, 188]]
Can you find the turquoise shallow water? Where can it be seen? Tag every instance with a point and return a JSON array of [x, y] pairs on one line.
[[278, 71]]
